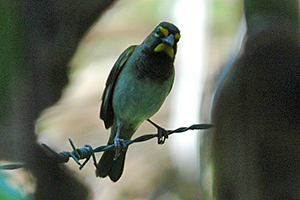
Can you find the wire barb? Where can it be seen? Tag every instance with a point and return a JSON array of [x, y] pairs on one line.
[[12, 166]]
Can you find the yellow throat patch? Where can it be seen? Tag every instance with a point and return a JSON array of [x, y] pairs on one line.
[[166, 48]]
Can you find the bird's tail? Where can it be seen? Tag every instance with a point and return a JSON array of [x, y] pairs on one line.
[[107, 166]]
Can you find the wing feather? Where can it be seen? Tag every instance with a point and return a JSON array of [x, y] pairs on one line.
[[106, 111]]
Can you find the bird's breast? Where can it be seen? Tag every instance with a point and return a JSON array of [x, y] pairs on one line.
[[138, 98], [148, 64]]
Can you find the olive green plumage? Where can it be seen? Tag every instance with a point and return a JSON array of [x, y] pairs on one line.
[[137, 86]]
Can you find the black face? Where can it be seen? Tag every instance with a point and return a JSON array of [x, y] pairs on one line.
[[171, 28], [168, 35], [164, 39]]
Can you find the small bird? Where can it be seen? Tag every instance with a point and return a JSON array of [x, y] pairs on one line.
[[136, 87]]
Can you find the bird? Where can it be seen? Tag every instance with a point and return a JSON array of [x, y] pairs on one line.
[[137, 86]]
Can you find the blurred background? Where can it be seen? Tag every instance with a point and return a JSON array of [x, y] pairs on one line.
[[171, 171]]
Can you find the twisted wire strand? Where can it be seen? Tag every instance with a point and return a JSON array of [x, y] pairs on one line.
[[87, 151]]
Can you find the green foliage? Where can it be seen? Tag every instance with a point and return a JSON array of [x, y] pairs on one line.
[[226, 16], [8, 192]]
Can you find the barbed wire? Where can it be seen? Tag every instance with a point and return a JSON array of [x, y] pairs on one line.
[[87, 151]]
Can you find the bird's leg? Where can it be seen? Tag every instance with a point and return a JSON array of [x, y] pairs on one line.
[[119, 143], [162, 133]]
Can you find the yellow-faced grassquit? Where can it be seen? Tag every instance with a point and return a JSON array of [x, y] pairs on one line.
[[136, 87]]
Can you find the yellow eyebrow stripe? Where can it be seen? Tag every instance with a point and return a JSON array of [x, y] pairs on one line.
[[164, 31], [177, 36]]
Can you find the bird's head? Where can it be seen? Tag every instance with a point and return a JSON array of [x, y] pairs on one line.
[[163, 39]]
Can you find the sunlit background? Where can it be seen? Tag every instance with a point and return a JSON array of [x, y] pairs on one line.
[[171, 171]]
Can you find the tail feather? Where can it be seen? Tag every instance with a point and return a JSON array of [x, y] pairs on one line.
[[107, 166], [105, 163], [116, 169]]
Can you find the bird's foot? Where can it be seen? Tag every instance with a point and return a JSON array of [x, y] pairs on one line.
[[119, 146], [162, 133]]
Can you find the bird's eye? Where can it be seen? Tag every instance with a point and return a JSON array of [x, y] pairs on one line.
[[159, 33]]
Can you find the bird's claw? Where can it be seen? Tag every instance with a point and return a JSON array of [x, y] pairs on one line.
[[119, 145], [162, 135]]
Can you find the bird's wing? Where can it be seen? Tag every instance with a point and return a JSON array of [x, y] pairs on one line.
[[106, 112]]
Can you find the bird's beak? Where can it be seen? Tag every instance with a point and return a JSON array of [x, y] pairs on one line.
[[169, 40], [166, 45]]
